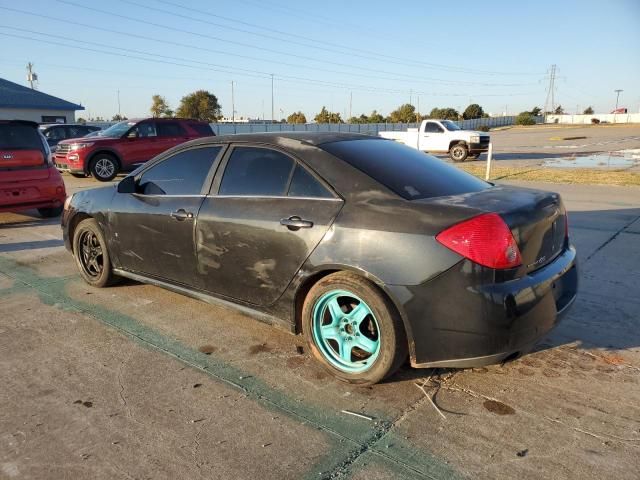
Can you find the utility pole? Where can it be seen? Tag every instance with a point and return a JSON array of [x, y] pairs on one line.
[[410, 96], [272, 98], [350, 103], [233, 105], [119, 116], [31, 75], [551, 91], [618, 96], [418, 110]]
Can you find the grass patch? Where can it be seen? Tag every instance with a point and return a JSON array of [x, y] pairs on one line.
[[557, 175]]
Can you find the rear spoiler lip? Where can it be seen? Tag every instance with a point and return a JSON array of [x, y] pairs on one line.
[[27, 123]]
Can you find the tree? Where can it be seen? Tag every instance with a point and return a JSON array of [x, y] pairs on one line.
[[535, 111], [118, 118], [473, 111], [81, 121], [375, 117], [525, 118], [201, 105], [588, 110], [297, 117], [403, 114], [444, 113], [159, 106], [325, 116], [559, 110]]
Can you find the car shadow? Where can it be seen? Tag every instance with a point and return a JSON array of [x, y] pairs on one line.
[[33, 245]]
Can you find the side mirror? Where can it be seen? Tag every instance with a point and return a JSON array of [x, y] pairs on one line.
[[127, 185]]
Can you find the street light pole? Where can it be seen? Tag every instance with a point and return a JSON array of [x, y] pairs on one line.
[[272, 98], [233, 105], [618, 96]]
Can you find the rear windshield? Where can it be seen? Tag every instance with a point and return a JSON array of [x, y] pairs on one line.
[[408, 172], [19, 137]]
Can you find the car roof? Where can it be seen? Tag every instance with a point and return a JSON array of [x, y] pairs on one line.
[[311, 138], [47, 125], [163, 119]]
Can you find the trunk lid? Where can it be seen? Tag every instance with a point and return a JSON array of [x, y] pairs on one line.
[[537, 219]]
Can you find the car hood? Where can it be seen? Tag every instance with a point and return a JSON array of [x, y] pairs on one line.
[[86, 140]]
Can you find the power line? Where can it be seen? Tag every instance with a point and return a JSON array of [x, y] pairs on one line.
[[371, 55], [242, 44], [242, 72], [197, 47]]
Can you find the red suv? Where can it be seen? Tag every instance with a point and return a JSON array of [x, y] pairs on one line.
[[125, 145], [28, 178]]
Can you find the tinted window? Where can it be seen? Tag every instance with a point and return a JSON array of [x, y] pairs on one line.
[[182, 174], [19, 137], [202, 129], [408, 172], [303, 184], [170, 129], [76, 131], [55, 133], [256, 171], [431, 127], [146, 129]]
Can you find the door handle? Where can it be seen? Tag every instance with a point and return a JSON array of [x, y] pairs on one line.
[[181, 215], [295, 223]]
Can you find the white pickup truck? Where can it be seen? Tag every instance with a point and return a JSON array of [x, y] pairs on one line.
[[443, 136]]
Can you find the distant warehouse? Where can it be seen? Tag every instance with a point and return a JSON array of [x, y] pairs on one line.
[[23, 103]]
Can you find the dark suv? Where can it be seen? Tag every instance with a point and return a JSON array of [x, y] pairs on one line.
[[125, 145], [56, 132]]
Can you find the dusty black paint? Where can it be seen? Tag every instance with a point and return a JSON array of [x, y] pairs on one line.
[[234, 249]]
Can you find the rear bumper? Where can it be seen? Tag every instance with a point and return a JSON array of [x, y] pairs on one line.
[[29, 194], [460, 319]]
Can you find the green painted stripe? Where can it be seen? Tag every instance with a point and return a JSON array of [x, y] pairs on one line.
[[352, 437]]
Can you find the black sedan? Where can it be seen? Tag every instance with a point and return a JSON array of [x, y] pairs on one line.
[[371, 249]]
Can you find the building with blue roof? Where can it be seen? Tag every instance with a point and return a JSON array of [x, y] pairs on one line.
[[18, 102]]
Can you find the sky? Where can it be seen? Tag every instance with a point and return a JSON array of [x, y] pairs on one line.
[[350, 56]]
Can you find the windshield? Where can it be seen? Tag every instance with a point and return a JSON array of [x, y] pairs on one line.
[[117, 130], [449, 125]]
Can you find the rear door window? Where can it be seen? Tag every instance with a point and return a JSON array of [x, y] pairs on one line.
[[406, 171], [203, 129], [253, 171], [170, 129], [181, 174], [56, 133]]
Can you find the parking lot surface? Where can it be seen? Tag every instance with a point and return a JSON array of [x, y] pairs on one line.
[[134, 381]]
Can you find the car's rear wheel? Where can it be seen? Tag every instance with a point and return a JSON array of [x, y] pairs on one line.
[[353, 329], [458, 152], [91, 254], [50, 212], [104, 167]]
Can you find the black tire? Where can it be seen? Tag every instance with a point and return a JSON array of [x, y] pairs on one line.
[[104, 167], [458, 152], [393, 348], [79, 175], [475, 156], [91, 254], [50, 212]]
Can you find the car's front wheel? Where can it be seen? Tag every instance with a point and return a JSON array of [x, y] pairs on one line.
[[353, 329], [458, 152], [104, 167], [91, 254]]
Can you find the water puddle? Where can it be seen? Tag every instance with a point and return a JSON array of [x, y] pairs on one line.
[[618, 159]]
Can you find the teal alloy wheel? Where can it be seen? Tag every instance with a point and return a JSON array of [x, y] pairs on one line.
[[345, 331]]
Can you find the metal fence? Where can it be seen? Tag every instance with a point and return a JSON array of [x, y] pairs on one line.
[[366, 128]]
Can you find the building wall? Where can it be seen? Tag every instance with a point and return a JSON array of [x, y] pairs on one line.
[[603, 117], [35, 115]]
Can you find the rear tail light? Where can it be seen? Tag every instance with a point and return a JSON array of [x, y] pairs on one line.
[[485, 240]]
